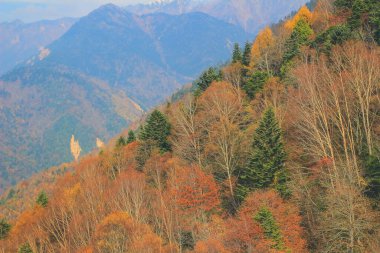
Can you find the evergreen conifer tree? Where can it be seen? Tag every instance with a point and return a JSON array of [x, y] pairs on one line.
[[42, 199], [236, 55], [121, 142], [157, 129], [266, 166], [5, 227], [374, 19], [205, 80], [25, 248], [372, 174], [358, 8], [270, 227], [247, 54], [255, 83], [131, 137], [300, 35]]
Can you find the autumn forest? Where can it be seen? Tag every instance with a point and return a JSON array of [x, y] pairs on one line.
[[276, 151]]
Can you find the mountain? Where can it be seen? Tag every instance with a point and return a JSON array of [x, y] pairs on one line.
[[20, 41], [101, 75], [252, 15]]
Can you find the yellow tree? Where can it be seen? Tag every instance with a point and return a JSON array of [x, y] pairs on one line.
[[260, 48], [303, 13], [118, 232]]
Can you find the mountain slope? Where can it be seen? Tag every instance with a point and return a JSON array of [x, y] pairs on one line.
[[94, 80], [252, 15], [19, 41], [276, 171]]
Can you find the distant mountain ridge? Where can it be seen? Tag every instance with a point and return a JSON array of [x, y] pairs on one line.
[[252, 15], [97, 78], [19, 41]]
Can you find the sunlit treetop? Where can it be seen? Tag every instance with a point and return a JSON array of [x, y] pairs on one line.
[[303, 13]]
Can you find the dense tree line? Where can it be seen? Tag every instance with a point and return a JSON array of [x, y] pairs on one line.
[[277, 151]]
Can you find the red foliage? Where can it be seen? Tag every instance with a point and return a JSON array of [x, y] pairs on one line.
[[194, 190]]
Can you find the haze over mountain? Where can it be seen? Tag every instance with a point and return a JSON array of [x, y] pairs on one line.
[[20, 41], [97, 78], [252, 15]]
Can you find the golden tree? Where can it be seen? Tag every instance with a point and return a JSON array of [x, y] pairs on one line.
[[261, 45], [303, 13]]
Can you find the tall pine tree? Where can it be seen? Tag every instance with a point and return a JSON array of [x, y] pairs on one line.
[[206, 78], [236, 55], [270, 227], [5, 227], [300, 35], [255, 83], [266, 166], [131, 137], [157, 130], [247, 54], [121, 142]]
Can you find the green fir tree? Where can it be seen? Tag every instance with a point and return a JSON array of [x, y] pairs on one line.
[[121, 142], [157, 129], [266, 166], [300, 36], [271, 229], [247, 54], [255, 83], [205, 80], [42, 199], [25, 248], [358, 8], [5, 227], [237, 55], [131, 137]]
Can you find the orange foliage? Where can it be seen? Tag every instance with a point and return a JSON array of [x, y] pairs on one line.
[[24, 230], [119, 233], [194, 190], [286, 216], [263, 41], [303, 13], [210, 246], [70, 194], [86, 250], [244, 234]]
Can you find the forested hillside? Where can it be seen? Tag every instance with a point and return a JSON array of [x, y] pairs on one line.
[[276, 151]]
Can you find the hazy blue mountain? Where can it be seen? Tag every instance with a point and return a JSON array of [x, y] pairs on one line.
[[98, 77], [252, 15], [20, 41]]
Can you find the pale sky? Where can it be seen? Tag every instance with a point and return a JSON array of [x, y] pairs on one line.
[[33, 10]]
